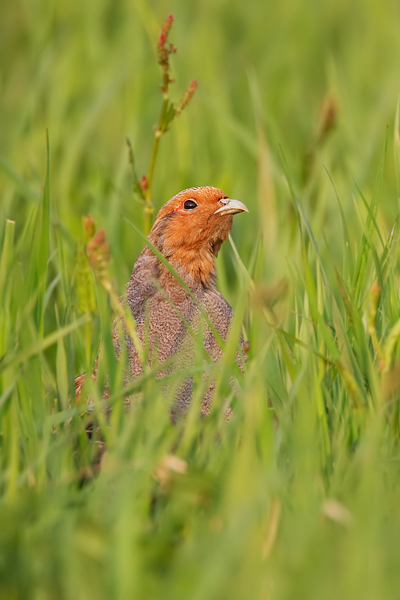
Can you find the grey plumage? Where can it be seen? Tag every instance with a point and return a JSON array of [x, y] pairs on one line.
[[162, 308]]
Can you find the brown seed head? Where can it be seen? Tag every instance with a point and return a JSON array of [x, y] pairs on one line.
[[186, 98], [98, 251]]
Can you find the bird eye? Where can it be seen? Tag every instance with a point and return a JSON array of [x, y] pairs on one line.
[[223, 200], [190, 204]]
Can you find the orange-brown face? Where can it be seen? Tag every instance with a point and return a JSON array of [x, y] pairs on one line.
[[191, 227], [198, 217]]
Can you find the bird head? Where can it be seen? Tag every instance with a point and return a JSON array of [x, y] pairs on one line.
[[190, 228]]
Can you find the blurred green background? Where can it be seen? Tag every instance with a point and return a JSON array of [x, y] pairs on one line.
[[88, 73], [299, 95]]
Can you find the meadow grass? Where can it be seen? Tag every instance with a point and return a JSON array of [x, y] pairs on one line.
[[296, 114]]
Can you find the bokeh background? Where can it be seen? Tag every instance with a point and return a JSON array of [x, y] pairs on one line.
[[295, 93], [88, 73]]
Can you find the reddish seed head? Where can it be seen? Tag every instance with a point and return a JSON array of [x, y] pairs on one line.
[[163, 50], [89, 228], [98, 251], [186, 98], [143, 183], [166, 26]]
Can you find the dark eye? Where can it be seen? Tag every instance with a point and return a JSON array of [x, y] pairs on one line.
[[190, 204]]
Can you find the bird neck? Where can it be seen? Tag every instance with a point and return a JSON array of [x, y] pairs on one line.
[[192, 258], [196, 265]]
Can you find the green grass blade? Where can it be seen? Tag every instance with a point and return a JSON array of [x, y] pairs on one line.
[[44, 243]]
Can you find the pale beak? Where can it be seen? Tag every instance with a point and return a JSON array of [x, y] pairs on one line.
[[231, 207]]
